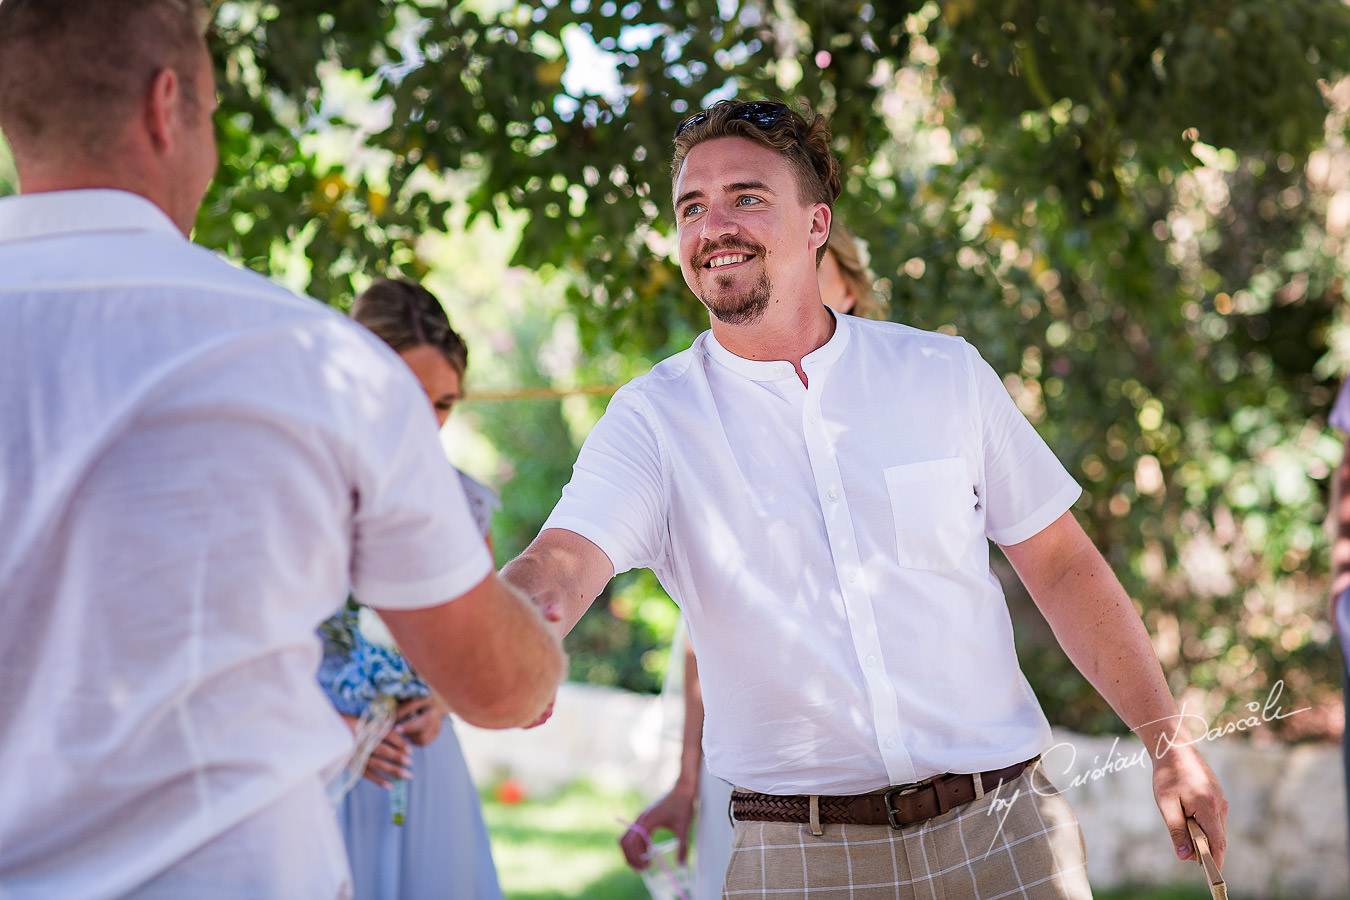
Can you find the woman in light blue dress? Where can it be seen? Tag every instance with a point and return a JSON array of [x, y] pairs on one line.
[[413, 825]]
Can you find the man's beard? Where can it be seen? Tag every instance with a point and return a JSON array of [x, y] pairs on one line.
[[744, 309]]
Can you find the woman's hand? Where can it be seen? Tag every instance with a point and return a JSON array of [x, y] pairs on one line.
[[420, 720], [674, 811], [390, 761], [391, 758]]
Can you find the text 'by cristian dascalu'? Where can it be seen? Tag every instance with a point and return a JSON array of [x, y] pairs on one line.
[[1258, 715], [1063, 757]]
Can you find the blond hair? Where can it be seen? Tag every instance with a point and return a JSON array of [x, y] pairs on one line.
[[867, 303]]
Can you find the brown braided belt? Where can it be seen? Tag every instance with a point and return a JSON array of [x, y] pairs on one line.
[[897, 807]]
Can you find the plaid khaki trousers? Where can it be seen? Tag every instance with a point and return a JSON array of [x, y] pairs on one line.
[[1022, 841]]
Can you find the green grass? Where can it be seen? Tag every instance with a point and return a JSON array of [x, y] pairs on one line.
[[566, 848]]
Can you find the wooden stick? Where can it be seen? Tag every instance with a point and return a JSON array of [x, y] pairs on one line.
[[1217, 889]]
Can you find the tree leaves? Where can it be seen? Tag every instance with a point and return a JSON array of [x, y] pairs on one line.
[[1109, 200]]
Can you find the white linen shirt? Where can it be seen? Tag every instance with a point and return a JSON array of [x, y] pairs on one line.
[[196, 466], [828, 546]]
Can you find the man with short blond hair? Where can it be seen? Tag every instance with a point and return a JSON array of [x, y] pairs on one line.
[[817, 492]]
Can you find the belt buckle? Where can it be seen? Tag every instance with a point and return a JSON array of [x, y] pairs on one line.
[[900, 791]]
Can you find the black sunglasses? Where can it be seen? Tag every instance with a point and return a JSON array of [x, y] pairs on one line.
[[760, 113]]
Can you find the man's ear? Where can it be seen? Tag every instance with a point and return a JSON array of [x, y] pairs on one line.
[[161, 109], [821, 216]]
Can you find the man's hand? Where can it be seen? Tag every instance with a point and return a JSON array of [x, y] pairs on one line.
[[490, 655], [543, 717], [1184, 785], [551, 610], [674, 811]]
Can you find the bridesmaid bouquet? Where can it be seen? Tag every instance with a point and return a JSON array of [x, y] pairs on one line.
[[365, 675]]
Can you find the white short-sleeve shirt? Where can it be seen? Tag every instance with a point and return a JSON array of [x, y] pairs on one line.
[[197, 465], [829, 546]]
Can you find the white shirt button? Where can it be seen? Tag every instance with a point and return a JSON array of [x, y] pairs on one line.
[[890, 743], [832, 494], [871, 660]]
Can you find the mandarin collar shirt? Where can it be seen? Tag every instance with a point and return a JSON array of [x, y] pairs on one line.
[[198, 465], [829, 547]]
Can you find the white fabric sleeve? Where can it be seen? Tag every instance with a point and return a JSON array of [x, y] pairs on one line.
[[1026, 487], [414, 541], [616, 498]]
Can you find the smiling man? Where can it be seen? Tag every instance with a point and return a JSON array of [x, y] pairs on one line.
[[817, 492]]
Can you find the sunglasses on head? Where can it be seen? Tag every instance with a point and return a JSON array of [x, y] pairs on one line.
[[760, 113]]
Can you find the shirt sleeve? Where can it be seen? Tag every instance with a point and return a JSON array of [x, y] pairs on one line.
[[616, 498], [414, 540], [1026, 487]]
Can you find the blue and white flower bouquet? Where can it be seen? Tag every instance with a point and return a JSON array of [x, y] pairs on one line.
[[365, 675]]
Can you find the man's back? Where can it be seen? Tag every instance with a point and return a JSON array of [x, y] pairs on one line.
[[194, 461]]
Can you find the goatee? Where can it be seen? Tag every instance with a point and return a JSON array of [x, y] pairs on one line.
[[740, 310]]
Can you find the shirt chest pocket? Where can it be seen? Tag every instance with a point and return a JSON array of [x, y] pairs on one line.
[[933, 506]]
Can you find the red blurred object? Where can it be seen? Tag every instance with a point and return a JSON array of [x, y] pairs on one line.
[[510, 791]]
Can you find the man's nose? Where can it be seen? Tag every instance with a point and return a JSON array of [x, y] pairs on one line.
[[718, 222]]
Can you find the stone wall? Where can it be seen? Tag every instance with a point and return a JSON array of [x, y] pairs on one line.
[[1286, 818], [1287, 822]]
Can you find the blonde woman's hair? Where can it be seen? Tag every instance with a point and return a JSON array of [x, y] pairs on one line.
[[867, 303]]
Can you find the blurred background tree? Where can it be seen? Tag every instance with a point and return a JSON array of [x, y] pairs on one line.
[[1138, 211]]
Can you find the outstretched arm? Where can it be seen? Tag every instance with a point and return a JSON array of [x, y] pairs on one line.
[[562, 572], [490, 654], [1097, 625]]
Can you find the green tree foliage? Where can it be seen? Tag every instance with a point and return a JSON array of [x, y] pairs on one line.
[[1112, 201], [1127, 206], [1152, 243], [8, 179]]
